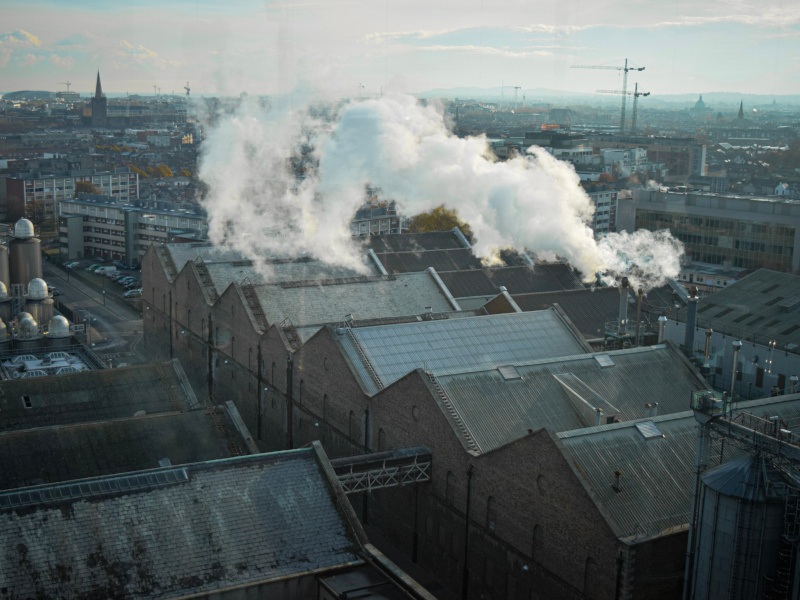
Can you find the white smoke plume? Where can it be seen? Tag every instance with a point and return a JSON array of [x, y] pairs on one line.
[[529, 203]]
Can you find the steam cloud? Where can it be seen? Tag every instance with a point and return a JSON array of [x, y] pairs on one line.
[[532, 203]]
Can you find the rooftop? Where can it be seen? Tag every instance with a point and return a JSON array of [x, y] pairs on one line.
[[393, 351], [763, 305], [94, 396], [173, 532], [656, 459], [500, 405], [62, 452]]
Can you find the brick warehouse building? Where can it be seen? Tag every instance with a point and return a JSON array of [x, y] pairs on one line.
[[267, 348]]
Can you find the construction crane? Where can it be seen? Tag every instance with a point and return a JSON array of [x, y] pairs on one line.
[[66, 83], [624, 70], [636, 93], [186, 87]]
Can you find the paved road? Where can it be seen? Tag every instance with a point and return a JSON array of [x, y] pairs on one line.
[[116, 328]]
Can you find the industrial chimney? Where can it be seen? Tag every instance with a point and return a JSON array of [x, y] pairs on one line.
[[691, 321], [623, 306]]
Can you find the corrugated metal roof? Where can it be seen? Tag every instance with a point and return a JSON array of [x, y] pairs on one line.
[[657, 473], [752, 307], [365, 298], [457, 344], [588, 309], [498, 411]]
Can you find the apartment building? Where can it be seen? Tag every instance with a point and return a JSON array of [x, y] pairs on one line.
[[37, 196], [98, 226]]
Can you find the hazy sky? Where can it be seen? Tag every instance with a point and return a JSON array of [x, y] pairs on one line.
[[229, 46]]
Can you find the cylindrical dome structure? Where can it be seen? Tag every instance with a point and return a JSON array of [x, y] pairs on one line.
[[58, 331], [27, 333], [4, 274], [24, 254], [41, 310], [37, 289], [740, 523], [5, 336]]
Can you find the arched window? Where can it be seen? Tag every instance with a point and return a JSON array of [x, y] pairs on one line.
[[449, 489], [381, 440], [491, 515], [590, 576], [352, 428], [537, 543]]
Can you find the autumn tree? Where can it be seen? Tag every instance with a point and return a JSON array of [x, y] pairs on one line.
[[86, 187], [439, 219], [164, 171]]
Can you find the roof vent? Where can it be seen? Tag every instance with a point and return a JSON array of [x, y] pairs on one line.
[[649, 430], [604, 360], [509, 372]]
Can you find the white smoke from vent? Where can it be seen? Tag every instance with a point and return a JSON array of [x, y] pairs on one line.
[[529, 203]]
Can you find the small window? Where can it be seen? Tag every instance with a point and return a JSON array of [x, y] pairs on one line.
[[26, 400]]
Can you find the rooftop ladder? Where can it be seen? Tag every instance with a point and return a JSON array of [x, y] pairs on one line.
[[473, 445]]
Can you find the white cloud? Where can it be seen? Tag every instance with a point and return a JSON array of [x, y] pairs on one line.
[[487, 51], [20, 37]]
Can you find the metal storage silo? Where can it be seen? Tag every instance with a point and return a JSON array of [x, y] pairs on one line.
[[58, 332], [740, 523], [4, 274], [5, 303], [38, 302], [24, 254], [5, 337], [27, 333]]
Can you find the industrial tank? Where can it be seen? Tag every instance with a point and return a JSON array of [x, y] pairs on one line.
[[27, 333], [5, 303], [4, 275], [25, 254], [5, 337], [58, 332], [38, 302], [740, 523]]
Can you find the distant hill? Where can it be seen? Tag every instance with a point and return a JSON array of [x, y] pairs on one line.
[[28, 95]]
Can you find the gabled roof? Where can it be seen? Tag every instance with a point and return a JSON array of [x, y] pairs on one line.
[[393, 351], [589, 309], [656, 459], [310, 305], [499, 405], [416, 242], [51, 454], [765, 304], [517, 280], [94, 396], [176, 531]]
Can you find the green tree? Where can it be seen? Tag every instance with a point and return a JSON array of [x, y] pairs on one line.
[[439, 219], [86, 187]]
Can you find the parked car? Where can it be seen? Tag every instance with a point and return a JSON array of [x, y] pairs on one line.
[[53, 291], [125, 279], [133, 284], [137, 293]]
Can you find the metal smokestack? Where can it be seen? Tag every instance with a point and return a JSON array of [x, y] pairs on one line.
[[707, 352], [737, 345], [640, 298], [623, 305], [662, 321], [691, 321]]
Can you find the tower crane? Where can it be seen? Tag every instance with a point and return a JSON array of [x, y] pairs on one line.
[[636, 93], [624, 70], [66, 83]]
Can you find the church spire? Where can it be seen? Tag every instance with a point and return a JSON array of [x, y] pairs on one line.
[[741, 109], [98, 90]]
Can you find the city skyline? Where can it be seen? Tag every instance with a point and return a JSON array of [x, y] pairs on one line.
[[356, 47]]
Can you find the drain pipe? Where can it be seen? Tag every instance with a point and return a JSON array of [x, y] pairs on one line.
[[737, 346], [640, 298], [465, 571], [707, 351]]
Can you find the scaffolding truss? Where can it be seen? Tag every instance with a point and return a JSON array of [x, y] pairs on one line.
[[395, 468]]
